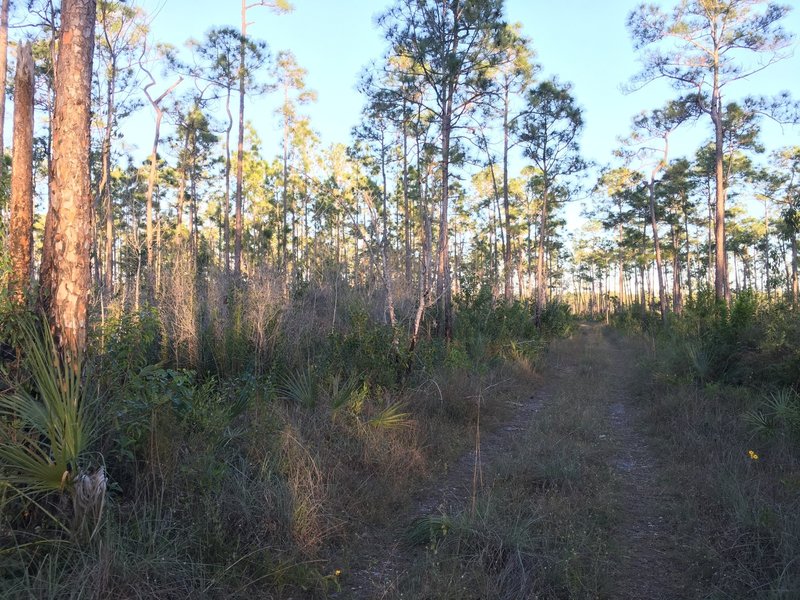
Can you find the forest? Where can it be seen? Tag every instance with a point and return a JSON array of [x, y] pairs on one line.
[[450, 356]]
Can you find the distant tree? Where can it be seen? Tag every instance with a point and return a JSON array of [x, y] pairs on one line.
[[788, 160], [700, 47], [514, 74], [658, 125], [248, 51], [549, 129], [219, 66], [121, 30], [291, 82], [156, 104], [618, 185], [448, 48]]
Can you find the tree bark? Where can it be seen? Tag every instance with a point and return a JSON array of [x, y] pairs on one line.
[[3, 67], [65, 263], [21, 226]]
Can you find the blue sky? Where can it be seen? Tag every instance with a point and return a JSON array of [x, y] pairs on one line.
[[581, 41]]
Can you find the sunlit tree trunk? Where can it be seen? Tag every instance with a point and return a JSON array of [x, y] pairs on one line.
[[238, 219], [21, 225], [65, 263]]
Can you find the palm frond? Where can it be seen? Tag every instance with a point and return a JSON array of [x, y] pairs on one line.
[[349, 394], [44, 434], [391, 417], [300, 387]]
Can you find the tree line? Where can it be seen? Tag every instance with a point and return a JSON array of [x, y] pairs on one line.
[[421, 205]]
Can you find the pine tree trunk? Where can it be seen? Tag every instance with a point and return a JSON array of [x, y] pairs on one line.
[[677, 296], [508, 266], [3, 67], [795, 284], [541, 275], [444, 288], [662, 293], [238, 223], [721, 287], [65, 263], [21, 225], [227, 200]]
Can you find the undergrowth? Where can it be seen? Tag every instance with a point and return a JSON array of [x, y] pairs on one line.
[[723, 404], [247, 446]]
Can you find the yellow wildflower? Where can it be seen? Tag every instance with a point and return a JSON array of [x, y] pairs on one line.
[[337, 572], [752, 455]]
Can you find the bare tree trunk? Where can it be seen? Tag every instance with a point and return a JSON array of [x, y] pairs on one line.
[[794, 270], [65, 264], [151, 178], [104, 187], [508, 266], [406, 212], [21, 225], [677, 296], [662, 293], [444, 287], [721, 287], [227, 207], [541, 288], [3, 68], [238, 223]]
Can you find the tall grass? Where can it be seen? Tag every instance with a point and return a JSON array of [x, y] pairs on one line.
[[250, 438]]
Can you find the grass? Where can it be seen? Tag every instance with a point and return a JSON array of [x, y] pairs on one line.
[[733, 454], [722, 405], [542, 523], [250, 452]]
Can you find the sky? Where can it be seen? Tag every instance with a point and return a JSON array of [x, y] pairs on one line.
[[584, 42]]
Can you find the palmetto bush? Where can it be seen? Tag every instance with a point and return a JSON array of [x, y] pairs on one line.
[[45, 430]]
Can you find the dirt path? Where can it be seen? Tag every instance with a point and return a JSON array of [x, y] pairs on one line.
[[591, 366], [645, 567]]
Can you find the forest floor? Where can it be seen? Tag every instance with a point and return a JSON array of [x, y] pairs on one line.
[[575, 452]]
